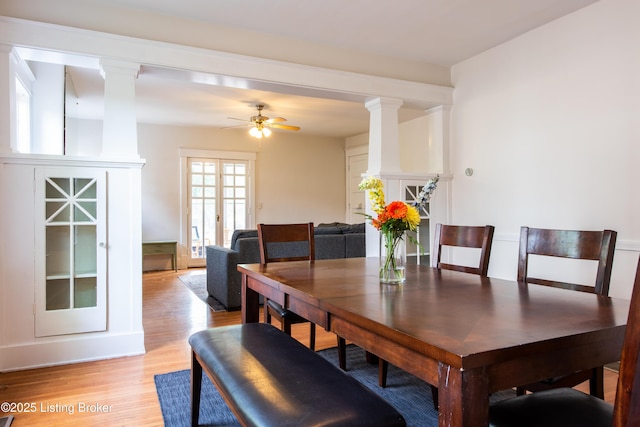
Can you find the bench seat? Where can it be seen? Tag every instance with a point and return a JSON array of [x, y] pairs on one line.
[[269, 379]]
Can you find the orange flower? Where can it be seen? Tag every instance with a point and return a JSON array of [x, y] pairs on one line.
[[396, 210]]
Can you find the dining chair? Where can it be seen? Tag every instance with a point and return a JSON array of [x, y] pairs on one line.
[[466, 237], [477, 237], [286, 242], [570, 407], [596, 246]]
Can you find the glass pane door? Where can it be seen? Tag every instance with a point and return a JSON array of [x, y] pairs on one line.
[[218, 203]]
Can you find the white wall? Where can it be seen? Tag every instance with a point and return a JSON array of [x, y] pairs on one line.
[[47, 108], [549, 123]]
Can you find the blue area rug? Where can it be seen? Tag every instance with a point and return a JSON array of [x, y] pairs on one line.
[[408, 394]]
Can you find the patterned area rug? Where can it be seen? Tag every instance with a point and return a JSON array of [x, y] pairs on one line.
[[408, 394], [197, 283]]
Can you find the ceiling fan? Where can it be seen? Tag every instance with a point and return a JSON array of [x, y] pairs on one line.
[[260, 124]]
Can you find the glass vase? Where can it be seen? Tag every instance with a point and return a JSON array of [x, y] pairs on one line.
[[393, 257]]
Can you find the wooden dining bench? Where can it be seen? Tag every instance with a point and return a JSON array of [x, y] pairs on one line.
[[268, 378]]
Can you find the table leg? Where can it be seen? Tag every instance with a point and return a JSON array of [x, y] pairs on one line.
[[463, 397], [250, 302]]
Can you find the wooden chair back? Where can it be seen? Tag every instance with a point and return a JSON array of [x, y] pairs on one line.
[[626, 412], [467, 237], [270, 235], [588, 245]]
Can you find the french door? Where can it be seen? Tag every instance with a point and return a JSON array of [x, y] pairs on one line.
[[219, 202]]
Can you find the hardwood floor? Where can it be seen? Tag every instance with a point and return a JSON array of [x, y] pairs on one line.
[[125, 386], [122, 390]]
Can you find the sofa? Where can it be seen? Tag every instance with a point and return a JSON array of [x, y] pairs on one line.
[[334, 240]]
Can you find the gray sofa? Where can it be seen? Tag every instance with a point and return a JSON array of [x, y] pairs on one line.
[[332, 241]]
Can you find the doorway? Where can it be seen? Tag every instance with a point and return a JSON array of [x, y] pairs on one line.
[[219, 200]]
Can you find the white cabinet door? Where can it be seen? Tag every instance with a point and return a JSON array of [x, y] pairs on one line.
[[71, 257]]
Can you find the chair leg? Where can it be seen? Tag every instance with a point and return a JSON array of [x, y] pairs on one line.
[[267, 315], [434, 397], [312, 336], [520, 391], [342, 353], [286, 326], [383, 367], [596, 383]]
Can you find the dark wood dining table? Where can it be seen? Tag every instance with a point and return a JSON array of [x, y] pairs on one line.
[[468, 335]]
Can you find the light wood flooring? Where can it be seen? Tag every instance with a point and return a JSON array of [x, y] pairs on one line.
[[124, 387]]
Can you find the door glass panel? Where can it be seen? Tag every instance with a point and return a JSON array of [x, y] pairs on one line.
[[85, 250], [58, 251], [203, 201], [209, 219], [58, 294], [418, 253], [58, 211], [58, 187], [71, 243], [235, 199], [85, 292], [85, 187], [86, 210]]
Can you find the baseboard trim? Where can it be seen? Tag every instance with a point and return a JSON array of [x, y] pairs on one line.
[[75, 349]]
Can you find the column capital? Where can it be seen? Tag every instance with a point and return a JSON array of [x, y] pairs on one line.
[[117, 66], [376, 103]]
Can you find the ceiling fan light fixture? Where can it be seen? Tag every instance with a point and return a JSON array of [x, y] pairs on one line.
[[259, 131], [255, 132], [260, 124]]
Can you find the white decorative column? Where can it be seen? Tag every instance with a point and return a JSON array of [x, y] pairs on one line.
[[119, 134], [384, 157], [384, 144]]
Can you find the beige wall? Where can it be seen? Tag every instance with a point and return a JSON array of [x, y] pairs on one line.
[[297, 179]]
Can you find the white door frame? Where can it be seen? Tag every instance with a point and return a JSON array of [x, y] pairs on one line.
[[349, 153], [184, 243]]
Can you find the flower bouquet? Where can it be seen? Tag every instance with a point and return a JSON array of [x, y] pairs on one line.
[[393, 221]]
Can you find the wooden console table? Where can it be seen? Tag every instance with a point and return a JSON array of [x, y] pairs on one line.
[[164, 247]]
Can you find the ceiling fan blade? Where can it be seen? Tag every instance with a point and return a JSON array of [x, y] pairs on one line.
[[286, 127], [235, 118], [276, 120], [236, 126]]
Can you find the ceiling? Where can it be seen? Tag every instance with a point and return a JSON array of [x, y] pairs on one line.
[[440, 32]]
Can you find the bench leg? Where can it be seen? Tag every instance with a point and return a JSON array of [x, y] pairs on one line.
[[312, 336], [196, 387], [342, 353]]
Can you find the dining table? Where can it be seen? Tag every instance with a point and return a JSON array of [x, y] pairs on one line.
[[468, 335]]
